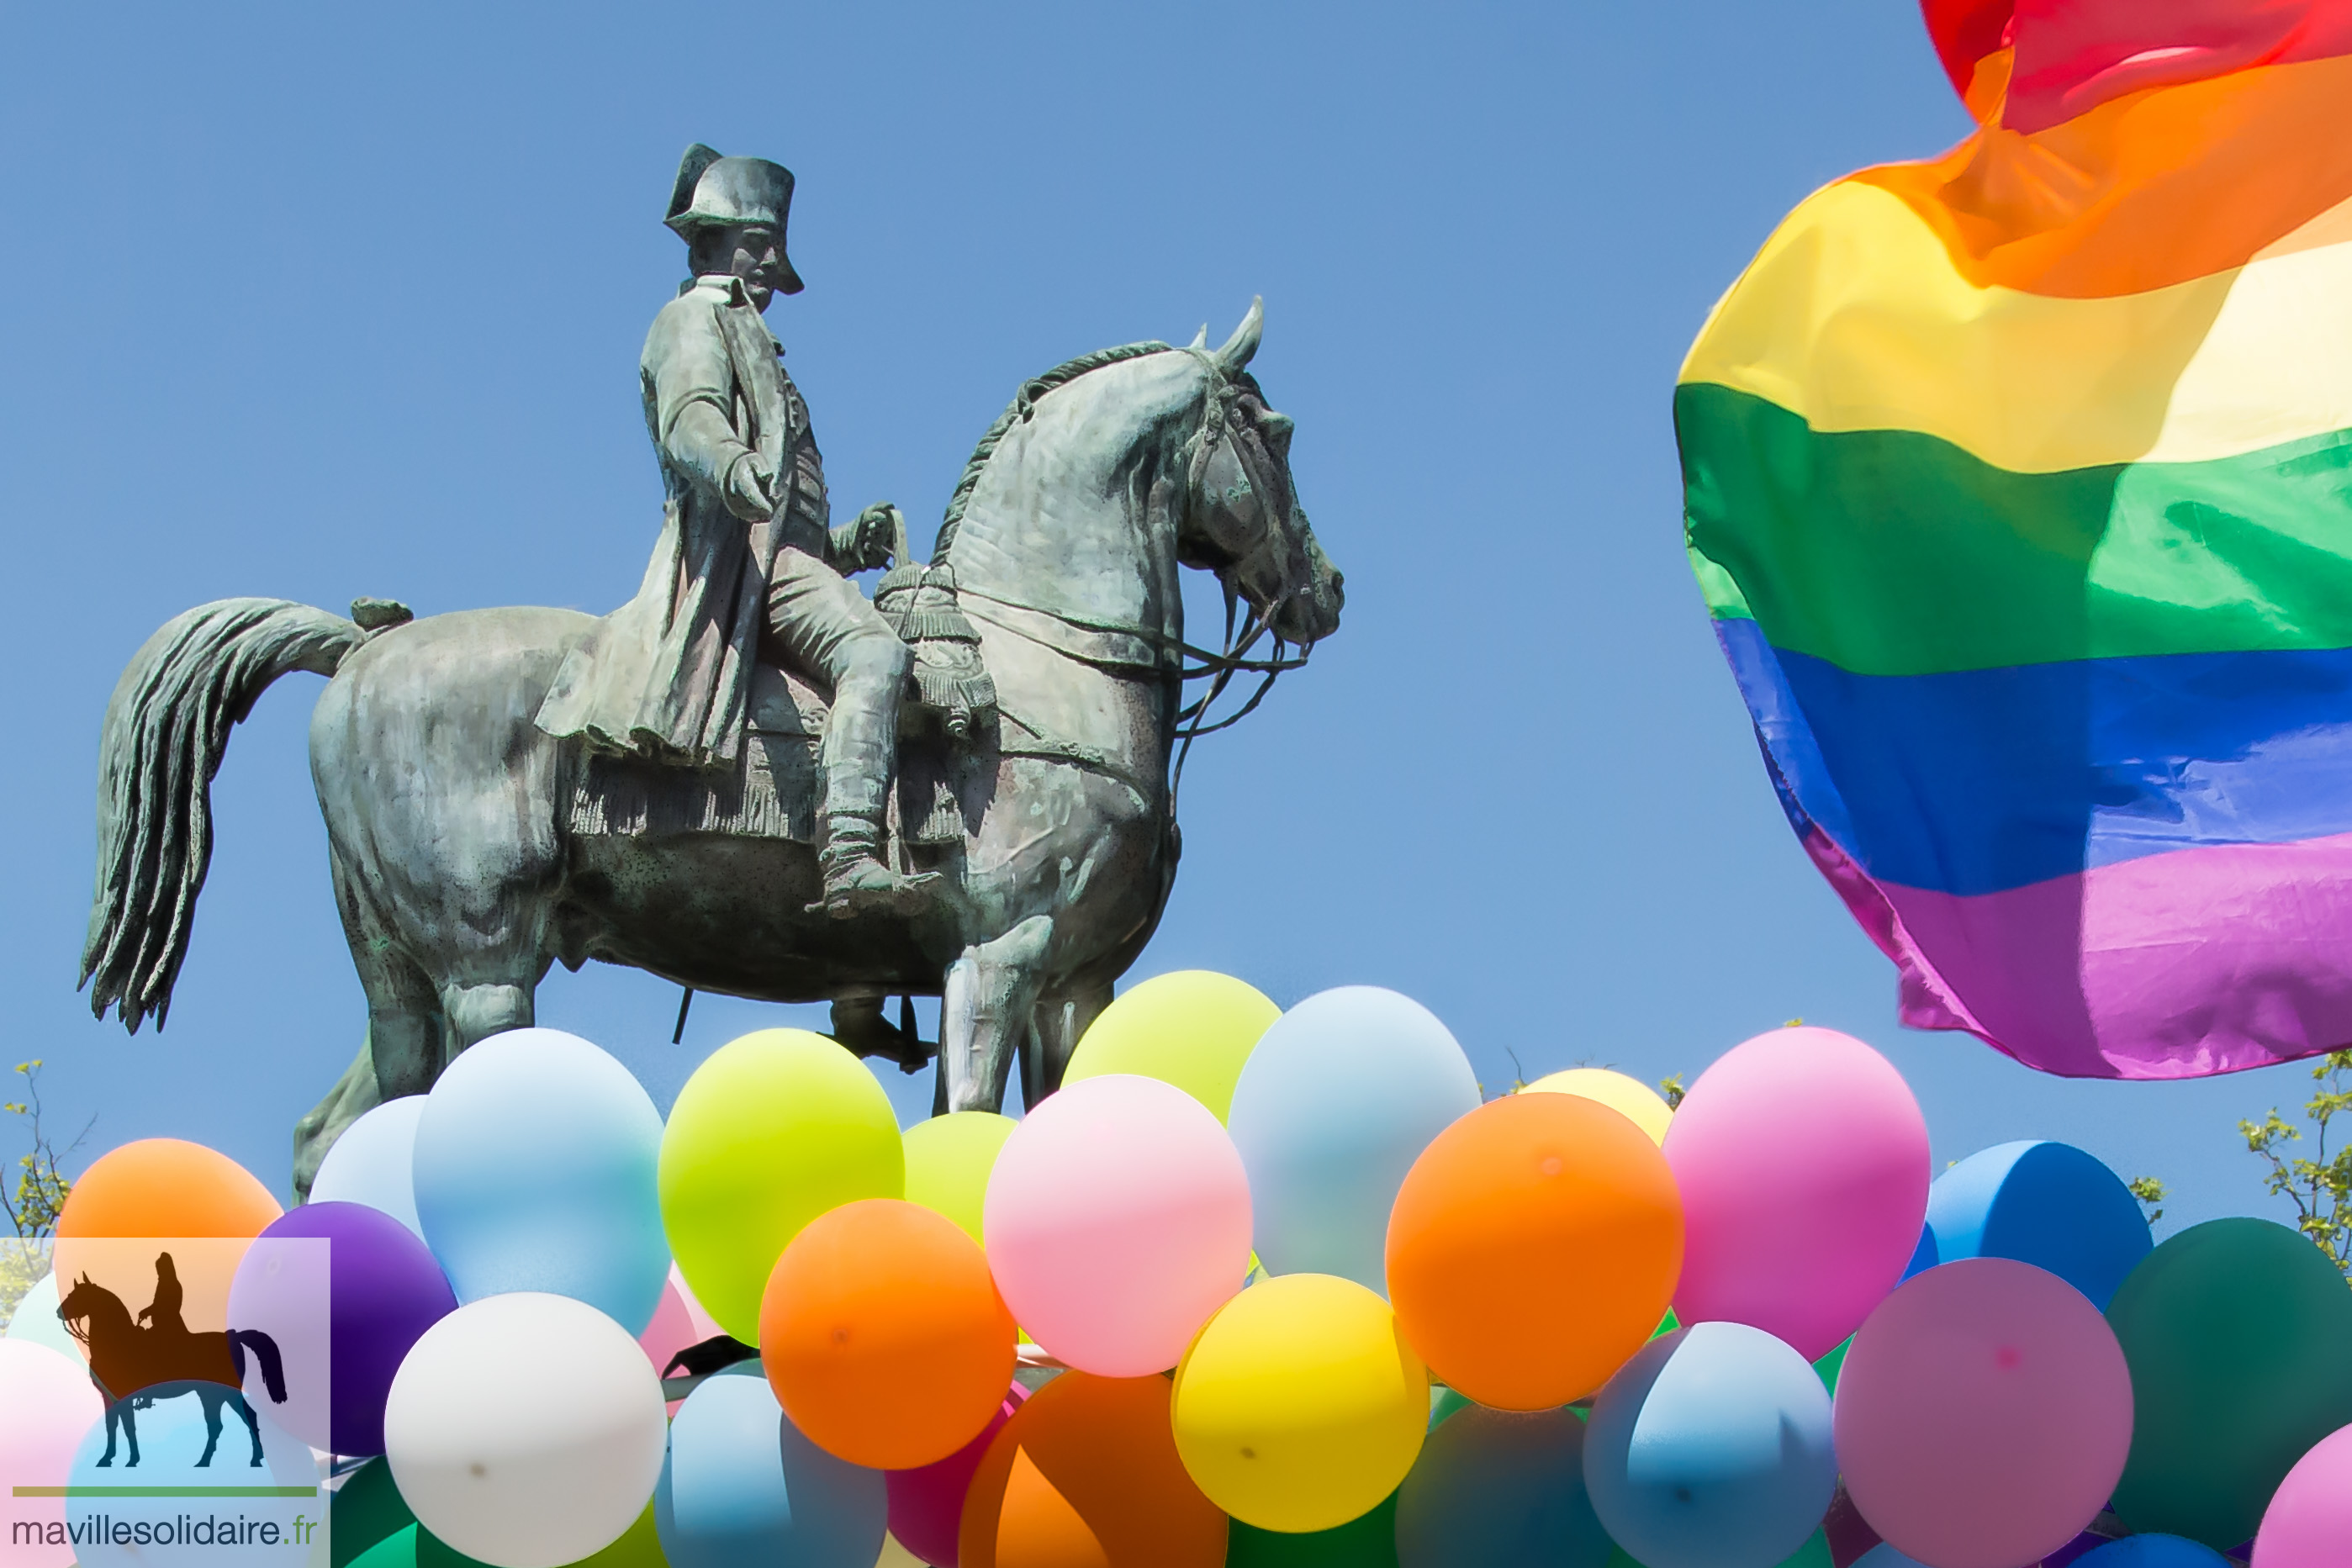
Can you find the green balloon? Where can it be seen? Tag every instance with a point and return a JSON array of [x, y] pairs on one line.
[[366, 1509], [1829, 1366], [1445, 1402], [1369, 1541], [2239, 1336], [397, 1549], [1814, 1554]]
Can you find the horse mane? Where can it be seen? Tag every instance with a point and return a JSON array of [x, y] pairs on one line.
[[1035, 388]]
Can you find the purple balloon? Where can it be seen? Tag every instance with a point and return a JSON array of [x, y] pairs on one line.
[[385, 1291]]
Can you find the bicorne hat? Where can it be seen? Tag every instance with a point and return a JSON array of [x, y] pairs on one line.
[[715, 190]]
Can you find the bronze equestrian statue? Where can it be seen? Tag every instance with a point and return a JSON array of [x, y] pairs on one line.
[[702, 783]]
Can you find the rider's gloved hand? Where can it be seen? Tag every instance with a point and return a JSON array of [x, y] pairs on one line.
[[750, 491], [868, 540]]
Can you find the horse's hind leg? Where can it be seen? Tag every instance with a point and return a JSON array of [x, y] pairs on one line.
[[1061, 1019], [252, 1424], [403, 1051]]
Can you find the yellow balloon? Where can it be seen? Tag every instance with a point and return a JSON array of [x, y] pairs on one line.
[[1629, 1097], [895, 1555], [771, 1130], [1299, 1406], [947, 1161], [1193, 1028]]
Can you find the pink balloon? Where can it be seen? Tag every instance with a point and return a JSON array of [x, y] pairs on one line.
[[1118, 1220], [2309, 1522], [1984, 1415], [47, 1403], [1802, 1160], [678, 1322], [927, 1504]]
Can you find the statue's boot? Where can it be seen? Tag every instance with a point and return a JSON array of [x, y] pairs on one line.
[[860, 743]]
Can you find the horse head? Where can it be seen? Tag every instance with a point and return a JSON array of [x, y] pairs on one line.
[[1244, 520]]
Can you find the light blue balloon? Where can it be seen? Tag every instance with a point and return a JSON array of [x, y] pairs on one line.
[[1336, 1102], [36, 1319], [1884, 1557], [742, 1485], [536, 1161], [186, 1520], [374, 1163], [1711, 1449], [2050, 1205], [1500, 1489], [2154, 1551]]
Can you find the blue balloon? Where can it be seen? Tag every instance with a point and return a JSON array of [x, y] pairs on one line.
[[1500, 1489], [178, 1514], [2050, 1205], [1711, 1449], [742, 1485], [374, 1163], [536, 1162], [2153, 1552], [1336, 1102], [1884, 1557], [1924, 1255]]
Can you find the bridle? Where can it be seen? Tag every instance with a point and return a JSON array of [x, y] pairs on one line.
[[1218, 667]]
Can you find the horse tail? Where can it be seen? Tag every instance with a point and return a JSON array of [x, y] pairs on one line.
[[166, 728], [273, 1370]]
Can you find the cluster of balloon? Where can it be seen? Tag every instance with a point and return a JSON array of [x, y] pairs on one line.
[[1294, 1296]]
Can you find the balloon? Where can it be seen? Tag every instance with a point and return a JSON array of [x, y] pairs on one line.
[[949, 1159], [1087, 1472], [374, 1162], [676, 1326], [179, 1503], [1886, 1556], [385, 1291], [1533, 1248], [2309, 1522], [2050, 1205], [366, 1509], [2173, 1551], [1367, 1541], [742, 1485], [535, 1162], [525, 1430], [1445, 1402], [36, 1319], [1735, 1468], [1118, 1220], [415, 1547], [164, 1188], [1629, 1097], [772, 1129], [927, 1503], [1984, 1415], [1300, 1405], [883, 1335], [1802, 1160], [1193, 1029], [50, 1404], [2239, 1334], [1501, 1489], [1342, 1093]]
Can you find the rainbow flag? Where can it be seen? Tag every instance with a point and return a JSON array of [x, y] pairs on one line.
[[2020, 484]]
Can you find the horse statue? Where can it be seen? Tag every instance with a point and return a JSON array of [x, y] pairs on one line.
[[133, 1367], [470, 850]]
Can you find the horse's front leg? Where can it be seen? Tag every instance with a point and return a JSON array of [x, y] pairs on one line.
[[1061, 1019], [113, 1419], [131, 1434], [987, 1013]]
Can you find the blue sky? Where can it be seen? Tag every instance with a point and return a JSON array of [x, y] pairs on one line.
[[317, 302]]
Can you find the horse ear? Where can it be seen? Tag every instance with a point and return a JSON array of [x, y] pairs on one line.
[[1242, 344], [1201, 338]]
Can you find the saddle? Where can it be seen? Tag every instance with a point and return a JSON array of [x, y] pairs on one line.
[[774, 789]]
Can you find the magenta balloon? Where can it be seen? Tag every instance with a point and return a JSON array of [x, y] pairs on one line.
[[2309, 1522], [927, 1504], [1984, 1415], [1802, 1160], [1117, 1220]]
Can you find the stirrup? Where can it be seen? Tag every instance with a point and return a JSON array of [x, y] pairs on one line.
[[864, 885]]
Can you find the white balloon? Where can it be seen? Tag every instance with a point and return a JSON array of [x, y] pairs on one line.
[[374, 1163], [526, 1430], [36, 1319]]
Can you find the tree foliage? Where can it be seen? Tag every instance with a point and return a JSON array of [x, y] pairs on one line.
[[2318, 1184], [34, 1198]]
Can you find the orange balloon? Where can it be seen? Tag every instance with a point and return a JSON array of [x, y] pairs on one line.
[[1085, 1476], [164, 1187], [883, 1335], [1533, 1246]]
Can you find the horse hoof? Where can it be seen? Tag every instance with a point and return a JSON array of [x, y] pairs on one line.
[[107, 1463]]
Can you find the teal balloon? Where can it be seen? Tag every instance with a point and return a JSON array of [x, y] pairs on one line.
[[1338, 1100], [2154, 1551], [2239, 1336], [1443, 1402], [2050, 1205], [535, 1169], [1711, 1448], [1368, 1541], [1498, 1489], [742, 1485], [397, 1549], [367, 1509]]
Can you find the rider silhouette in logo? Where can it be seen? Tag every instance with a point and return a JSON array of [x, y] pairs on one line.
[[747, 567]]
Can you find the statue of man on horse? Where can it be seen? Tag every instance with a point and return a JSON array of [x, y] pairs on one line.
[[751, 778]]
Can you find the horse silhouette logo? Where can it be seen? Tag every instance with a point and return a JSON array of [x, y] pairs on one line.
[[134, 1362]]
